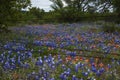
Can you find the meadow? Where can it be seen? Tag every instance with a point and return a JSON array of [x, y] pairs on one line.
[[74, 51]]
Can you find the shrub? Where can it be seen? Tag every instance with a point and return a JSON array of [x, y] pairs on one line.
[[109, 27], [4, 28], [118, 28]]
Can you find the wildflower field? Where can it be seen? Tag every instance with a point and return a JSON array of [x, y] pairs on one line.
[[59, 52]]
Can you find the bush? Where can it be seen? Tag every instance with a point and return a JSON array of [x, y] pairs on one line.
[[118, 29], [109, 27], [4, 28]]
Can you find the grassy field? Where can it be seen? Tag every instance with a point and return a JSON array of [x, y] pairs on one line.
[[59, 52]]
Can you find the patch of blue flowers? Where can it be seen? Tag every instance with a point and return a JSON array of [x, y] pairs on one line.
[[65, 64]]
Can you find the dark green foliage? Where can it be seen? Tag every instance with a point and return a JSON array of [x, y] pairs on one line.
[[4, 29], [11, 11], [36, 12], [116, 4], [35, 15], [82, 10], [110, 28]]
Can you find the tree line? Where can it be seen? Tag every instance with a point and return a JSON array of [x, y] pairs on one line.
[[78, 10], [14, 11]]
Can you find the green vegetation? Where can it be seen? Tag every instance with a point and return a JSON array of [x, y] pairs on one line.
[[11, 12], [56, 51], [110, 27], [14, 12]]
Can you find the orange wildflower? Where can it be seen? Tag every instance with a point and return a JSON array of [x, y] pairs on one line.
[[101, 64], [86, 60], [68, 58], [106, 68], [117, 46], [76, 58], [81, 58]]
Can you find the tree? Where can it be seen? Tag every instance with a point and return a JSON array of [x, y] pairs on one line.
[[75, 9], [37, 12], [79, 5], [10, 9], [57, 4], [116, 4]]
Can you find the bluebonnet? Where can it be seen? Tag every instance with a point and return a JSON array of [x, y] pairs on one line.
[[39, 62], [73, 54], [85, 73], [37, 78], [13, 66], [10, 52], [52, 79], [101, 70], [74, 77], [19, 61], [7, 46], [93, 68], [26, 65], [12, 60], [7, 65], [109, 66], [29, 54], [63, 67], [76, 67], [98, 73], [62, 76], [38, 43]]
